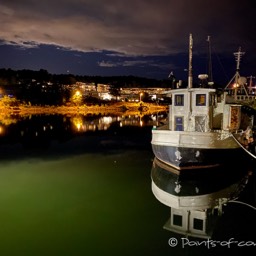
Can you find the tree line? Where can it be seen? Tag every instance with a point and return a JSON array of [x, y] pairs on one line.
[[42, 88], [9, 77]]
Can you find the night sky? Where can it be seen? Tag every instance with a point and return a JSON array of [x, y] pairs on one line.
[[147, 38]]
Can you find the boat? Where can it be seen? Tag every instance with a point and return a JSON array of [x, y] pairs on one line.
[[238, 88], [199, 132], [196, 201]]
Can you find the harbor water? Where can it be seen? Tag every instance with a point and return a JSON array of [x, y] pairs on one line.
[[82, 186]]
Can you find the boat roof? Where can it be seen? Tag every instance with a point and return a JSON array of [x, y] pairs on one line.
[[184, 90]]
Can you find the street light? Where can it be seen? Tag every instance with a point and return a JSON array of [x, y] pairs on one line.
[[77, 97]]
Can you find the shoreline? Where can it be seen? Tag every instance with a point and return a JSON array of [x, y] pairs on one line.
[[117, 108]]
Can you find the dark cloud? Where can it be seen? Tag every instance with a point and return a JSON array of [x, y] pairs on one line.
[[129, 28]]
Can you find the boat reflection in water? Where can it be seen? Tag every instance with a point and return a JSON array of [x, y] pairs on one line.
[[196, 197]]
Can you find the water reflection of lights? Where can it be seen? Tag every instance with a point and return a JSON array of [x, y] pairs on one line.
[[82, 123], [78, 126], [8, 120], [1, 129], [77, 121], [106, 120]]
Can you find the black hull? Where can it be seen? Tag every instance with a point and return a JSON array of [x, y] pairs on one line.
[[197, 181], [187, 158]]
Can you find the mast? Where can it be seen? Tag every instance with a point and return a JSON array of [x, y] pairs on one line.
[[190, 76], [238, 56], [210, 79]]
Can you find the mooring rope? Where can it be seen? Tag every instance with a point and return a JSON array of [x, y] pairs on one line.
[[240, 202], [247, 151]]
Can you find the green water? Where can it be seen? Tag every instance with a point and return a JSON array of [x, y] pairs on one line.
[[69, 194], [90, 204]]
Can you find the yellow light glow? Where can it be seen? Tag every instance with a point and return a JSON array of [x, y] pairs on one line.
[[141, 95], [1, 129], [77, 122]]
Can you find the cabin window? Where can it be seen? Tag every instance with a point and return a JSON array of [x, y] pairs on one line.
[[179, 100], [177, 220], [201, 99], [179, 123], [198, 224]]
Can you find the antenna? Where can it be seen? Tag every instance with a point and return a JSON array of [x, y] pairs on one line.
[[190, 76], [210, 79], [250, 83], [238, 56], [238, 80]]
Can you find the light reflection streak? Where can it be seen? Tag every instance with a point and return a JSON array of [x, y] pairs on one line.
[[81, 123]]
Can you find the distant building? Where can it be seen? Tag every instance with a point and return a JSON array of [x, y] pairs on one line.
[[103, 91]]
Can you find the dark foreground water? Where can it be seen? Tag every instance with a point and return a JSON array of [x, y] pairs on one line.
[[70, 190]]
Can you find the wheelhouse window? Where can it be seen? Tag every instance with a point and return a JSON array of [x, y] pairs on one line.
[[177, 220], [179, 100], [198, 224], [201, 99]]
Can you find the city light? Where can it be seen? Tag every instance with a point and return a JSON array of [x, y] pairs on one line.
[[77, 97], [1, 130], [141, 96], [77, 121]]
